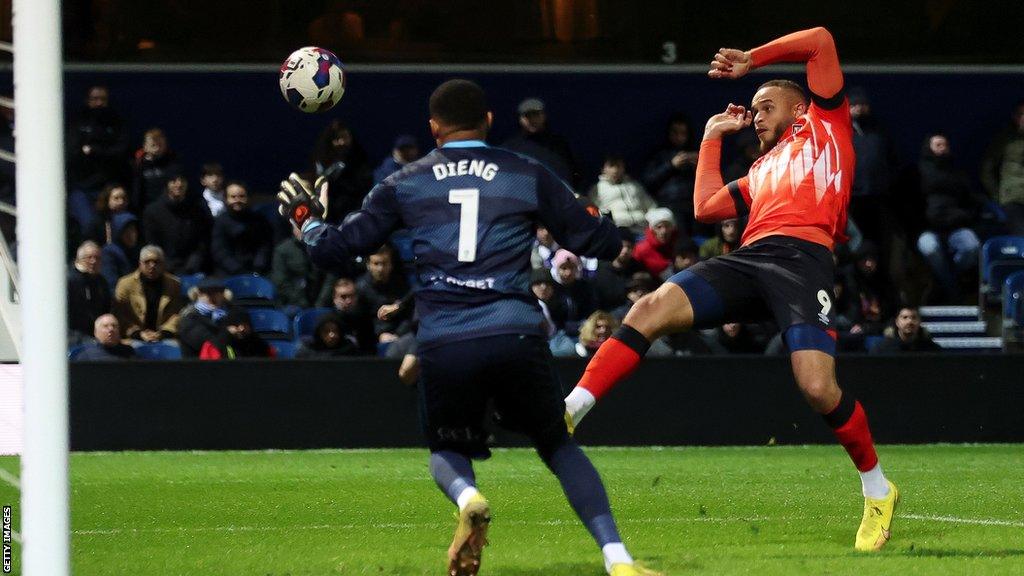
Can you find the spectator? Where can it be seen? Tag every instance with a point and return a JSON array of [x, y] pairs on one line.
[[97, 154], [869, 291], [736, 338], [154, 164], [687, 254], [180, 226], [147, 301], [108, 344], [1002, 171], [748, 149], [404, 150], [355, 313], [657, 250], [573, 295], [88, 292], [543, 249], [212, 179], [296, 281], [343, 161], [609, 279], [950, 210], [330, 339], [876, 167], [241, 241], [623, 197], [726, 239], [671, 171], [598, 327], [113, 199], [536, 141], [906, 335], [381, 286], [198, 321], [638, 286], [235, 338], [118, 256]]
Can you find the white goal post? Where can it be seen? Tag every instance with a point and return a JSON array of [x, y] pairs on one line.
[[38, 100]]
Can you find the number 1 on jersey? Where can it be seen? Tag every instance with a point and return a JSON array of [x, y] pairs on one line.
[[469, 200]]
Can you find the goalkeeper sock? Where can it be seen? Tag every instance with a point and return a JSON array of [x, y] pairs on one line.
[[453, 473], [615, 553], [614, 360], [584, 490]]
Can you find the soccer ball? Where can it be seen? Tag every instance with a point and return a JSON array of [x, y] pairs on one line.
[[312, 79]]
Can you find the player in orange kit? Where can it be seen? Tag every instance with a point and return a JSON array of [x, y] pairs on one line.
[[796, 196]]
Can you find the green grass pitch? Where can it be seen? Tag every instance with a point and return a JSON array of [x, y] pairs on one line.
[[767, 510]]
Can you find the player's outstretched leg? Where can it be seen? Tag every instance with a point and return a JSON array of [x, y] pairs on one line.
[[453, 473], [583, 487], [814, 370], [664, 311]]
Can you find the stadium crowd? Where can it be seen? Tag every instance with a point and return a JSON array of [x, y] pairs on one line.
[[155, 258]]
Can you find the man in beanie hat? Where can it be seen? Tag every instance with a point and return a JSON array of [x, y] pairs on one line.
[[655, 251]]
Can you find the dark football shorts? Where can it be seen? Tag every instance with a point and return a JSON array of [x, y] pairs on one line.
[[779, 277], [459, 380]]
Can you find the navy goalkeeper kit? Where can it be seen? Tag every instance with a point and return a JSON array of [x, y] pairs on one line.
[[472, 211]]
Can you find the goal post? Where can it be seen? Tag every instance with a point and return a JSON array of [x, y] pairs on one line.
[[39, 169]]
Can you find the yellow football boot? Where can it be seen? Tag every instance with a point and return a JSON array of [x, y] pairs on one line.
[[876, 525], [631, 570], [470, 538]]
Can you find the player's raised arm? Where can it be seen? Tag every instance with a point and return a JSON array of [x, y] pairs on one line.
[[570, 224], [362, 231], [815, 47], [713, 201]]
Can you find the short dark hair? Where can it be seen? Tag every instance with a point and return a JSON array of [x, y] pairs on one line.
[[211, 168], [460, 104], [614, 158], [788, 85]]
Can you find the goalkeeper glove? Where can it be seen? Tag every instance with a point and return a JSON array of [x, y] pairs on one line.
[[300, 204]]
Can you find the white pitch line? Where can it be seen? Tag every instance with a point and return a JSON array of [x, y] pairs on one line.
[[414, 525], [10, 478], [955, 520]]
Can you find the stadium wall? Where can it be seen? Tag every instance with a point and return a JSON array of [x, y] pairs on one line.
[[235, 114], [699, 401]]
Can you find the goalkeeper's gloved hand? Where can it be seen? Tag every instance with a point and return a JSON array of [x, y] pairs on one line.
[[300, 204]]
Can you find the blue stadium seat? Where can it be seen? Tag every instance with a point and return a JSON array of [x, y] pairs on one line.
[[268, 321], [285, 348], [157, 351], [250, 289], [1000, 257], [74, 351], [872, 341], [1013, 299], [188, 281], [305, 322]]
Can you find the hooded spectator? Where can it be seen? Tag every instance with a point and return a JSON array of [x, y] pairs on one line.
[[573, 294], [404, 150], [119, 256], [331, 339]]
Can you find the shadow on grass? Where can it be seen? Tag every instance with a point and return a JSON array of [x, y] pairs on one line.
[[575, 568], [955, 553]]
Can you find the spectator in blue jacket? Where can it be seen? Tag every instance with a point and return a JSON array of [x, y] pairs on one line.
[[120, 256], [108, 344], [405, 150]]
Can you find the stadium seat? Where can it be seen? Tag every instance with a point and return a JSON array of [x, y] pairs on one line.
[[74, 351], [1013, 299], [279, 226], [157, 351], [305, 322], [250, 289], [285, 348], [188, 281], [270, 323], [1001, 256], [871, 341]]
